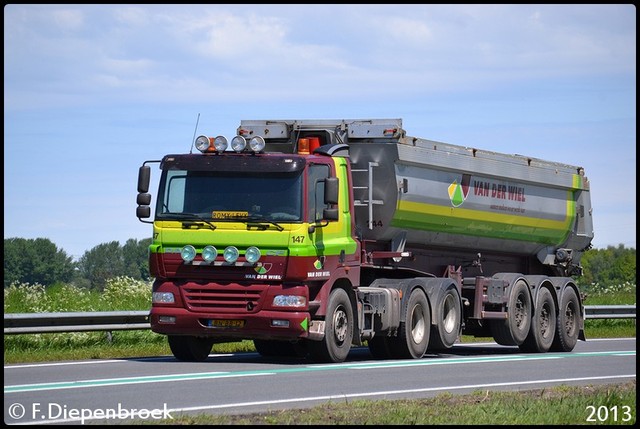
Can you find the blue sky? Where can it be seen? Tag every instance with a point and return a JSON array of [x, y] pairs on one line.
[[92, 91]]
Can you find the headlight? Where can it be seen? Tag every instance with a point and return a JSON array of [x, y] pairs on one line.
[[220, 143], [231, 254], [289, 301], [188, 253], [252, 254], [256, 144], [209, 253], [162, 298], [238, 143], [203, 143]]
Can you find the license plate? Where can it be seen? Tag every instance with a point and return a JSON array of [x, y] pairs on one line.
[[225, 323]]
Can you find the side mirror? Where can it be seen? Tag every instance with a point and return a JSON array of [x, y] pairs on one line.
[[331, 190], [144, 177], [144, 199], [330, 214], [143, 212]]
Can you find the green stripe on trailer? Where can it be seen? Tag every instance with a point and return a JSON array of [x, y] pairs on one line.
[[451, 220]]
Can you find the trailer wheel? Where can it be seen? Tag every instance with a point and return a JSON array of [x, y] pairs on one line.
[[338, 336], [514, 330], [190, 349], [413, 333], [543, 324], [448, 312], [568, 323]]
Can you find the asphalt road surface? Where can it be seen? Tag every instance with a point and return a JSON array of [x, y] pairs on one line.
[[152, 388]]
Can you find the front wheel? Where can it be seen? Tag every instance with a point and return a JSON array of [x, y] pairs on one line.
[[338, 334], [189, 348], [413, 333]]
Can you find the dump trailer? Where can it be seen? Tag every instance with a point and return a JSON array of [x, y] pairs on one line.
[[309, 237]]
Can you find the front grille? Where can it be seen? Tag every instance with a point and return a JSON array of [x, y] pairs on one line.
[[226, 298]]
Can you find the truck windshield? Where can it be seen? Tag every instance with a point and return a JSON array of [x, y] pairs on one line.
[[226, 196]]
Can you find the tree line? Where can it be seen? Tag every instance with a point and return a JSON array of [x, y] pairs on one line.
[[40, 261]]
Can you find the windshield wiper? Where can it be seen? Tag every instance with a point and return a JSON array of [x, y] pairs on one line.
[[258, 219], [190, 217]]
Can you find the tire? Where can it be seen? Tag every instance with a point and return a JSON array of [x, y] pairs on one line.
[[543, 324], [448, 311], [568, 322], [413, 333], [338, 335], [190, 349], [514, 330]]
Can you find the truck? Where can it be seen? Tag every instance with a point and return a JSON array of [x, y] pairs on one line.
[[310, 237]]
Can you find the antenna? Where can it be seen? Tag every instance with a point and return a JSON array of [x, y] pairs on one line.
[[194, 134]]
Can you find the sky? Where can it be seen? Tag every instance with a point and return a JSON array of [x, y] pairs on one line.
[[92, 91]]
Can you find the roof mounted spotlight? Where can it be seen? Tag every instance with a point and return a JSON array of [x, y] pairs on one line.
[[203, 143], [221, 143], [238, 144], [257, 144]]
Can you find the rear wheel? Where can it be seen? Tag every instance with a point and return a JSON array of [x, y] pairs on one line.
[[514, 330], [543, 324], [447, 328], [568, 323], [413, 333], [189, 348], [338, 335]]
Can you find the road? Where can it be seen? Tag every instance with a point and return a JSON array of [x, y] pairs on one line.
[[151, 388]]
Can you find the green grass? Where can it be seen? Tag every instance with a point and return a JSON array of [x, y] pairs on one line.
[[563, 405]]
